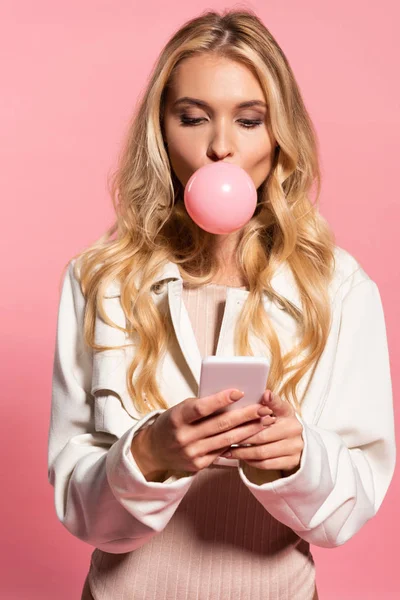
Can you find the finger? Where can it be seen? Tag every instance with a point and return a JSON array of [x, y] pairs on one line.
[[272, 432], [263, 451], [208, 405], [225, 440], [261, 437], [226, 421], [279, 407], [202, 407]]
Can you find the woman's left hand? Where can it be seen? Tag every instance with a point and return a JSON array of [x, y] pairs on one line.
[[280, 445]]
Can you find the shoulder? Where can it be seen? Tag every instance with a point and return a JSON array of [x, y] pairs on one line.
[[348, 271], [112, 287], [71, 295], [351, 283], [72, 275]]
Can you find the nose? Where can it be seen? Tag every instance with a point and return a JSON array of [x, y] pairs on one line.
[[221, 143]]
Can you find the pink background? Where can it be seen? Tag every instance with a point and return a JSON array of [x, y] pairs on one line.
[[71, 74]]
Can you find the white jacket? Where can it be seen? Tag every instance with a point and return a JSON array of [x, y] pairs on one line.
[[349, 453]]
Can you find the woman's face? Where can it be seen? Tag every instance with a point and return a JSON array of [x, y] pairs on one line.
[[218, 129]]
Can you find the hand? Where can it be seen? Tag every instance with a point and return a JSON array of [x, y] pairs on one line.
[[278, 446], [189, 436]]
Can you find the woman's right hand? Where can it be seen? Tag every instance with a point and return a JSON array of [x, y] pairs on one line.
[[189, 437]]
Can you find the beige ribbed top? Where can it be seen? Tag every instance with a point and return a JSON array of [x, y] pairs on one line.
[[221, 543]]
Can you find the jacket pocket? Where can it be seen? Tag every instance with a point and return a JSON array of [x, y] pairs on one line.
[[109, 414], [110, 391]]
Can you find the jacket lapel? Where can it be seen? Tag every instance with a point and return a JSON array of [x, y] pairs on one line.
[[283, 283], [169, 281], [183, 328]]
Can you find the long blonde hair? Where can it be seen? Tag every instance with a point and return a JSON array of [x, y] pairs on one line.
[[153, 227]]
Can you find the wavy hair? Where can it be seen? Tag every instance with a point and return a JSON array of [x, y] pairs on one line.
[[153, 227]]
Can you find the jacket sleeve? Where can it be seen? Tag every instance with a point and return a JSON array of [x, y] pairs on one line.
[[100, 494], [348, 458]]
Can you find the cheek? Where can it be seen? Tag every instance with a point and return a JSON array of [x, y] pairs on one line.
[[257, 148], [182, 145], [183, 151], [185, 156], [257, 162]]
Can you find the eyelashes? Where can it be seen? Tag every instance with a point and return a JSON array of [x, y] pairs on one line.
[[246, 123]]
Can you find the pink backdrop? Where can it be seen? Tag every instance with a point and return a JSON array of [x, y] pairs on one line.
[[71, 73]]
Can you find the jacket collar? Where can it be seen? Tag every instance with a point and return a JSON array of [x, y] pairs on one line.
[[282, 282]]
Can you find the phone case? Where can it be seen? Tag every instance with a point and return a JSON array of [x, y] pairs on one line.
[[246, 373]]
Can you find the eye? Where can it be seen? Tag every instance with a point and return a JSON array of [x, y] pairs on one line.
[[246, 123]]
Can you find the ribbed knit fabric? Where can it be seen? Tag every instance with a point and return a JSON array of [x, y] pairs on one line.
[[221, 544]]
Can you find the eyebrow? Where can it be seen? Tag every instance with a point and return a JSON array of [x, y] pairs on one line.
[[202, 104]]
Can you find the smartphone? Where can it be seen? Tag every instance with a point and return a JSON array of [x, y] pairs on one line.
[[246, 373]]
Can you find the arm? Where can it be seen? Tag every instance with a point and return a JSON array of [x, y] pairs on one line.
[[142, 457], [349, 457], [101, 496]]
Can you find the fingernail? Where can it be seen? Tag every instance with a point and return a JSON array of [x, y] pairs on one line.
[[236, 395], [264, 410], [267, 397]]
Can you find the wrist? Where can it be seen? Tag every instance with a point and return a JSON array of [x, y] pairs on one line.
[[260, 476], [142, 454], [288, 472]]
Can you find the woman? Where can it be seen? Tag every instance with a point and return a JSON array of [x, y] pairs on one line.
[[136, 459]]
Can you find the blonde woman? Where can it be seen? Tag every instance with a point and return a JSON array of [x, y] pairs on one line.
[[135, 457]]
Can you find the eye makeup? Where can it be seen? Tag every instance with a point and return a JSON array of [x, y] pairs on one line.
[[246, 123]]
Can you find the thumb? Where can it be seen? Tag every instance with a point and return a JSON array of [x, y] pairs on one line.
[[280, 407]]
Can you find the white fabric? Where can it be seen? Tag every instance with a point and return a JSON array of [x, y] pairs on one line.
[[349, 453]]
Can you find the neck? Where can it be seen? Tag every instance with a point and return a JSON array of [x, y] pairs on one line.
[[226, 249]]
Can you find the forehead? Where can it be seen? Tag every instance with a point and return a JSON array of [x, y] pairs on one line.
[[220, 79]]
